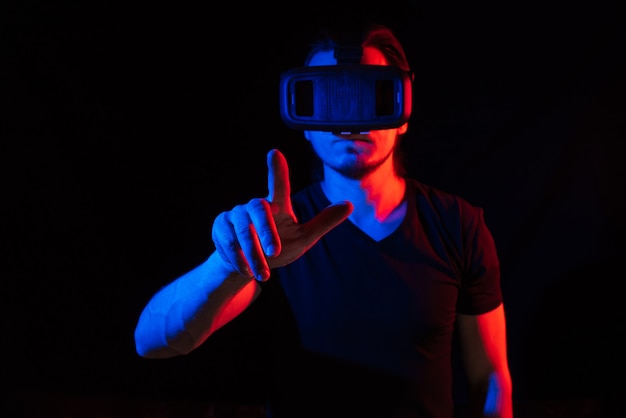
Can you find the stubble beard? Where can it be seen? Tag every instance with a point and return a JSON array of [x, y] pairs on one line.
[[358, 170]]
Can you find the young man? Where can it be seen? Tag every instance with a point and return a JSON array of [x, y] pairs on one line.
[[360, 298]]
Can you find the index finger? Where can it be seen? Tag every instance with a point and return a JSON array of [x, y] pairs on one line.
[[278, 180]]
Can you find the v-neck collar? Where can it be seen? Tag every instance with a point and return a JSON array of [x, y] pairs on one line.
[[407, 201]]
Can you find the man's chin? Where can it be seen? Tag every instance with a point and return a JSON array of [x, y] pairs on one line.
[[355, 171]]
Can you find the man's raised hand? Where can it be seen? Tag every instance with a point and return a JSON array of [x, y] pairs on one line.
[[264, 233]]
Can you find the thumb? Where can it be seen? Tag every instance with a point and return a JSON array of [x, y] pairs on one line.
[[326, 220]]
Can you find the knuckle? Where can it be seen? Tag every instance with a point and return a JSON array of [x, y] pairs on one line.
[[244, 229], [265, 231], [257, 204], [230, 246]]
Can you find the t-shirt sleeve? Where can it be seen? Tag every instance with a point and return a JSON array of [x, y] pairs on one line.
[[480, 290]]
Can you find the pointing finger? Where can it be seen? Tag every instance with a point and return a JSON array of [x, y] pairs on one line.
[[278, 180]]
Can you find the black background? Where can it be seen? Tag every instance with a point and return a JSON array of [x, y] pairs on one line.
[[130, 126]]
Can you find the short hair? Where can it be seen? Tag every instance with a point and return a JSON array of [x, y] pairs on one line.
[[375, 35]]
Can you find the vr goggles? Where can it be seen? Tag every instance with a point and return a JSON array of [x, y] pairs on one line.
[[345, 98]]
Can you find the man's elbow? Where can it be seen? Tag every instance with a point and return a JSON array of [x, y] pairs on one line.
[[146, 347]]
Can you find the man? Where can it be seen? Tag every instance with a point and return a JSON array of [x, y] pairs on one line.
[[359, 299]]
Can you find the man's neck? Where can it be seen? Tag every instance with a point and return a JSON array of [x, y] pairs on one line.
[[378, 200]]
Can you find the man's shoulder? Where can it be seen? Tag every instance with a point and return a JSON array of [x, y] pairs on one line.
[[428, 191], [437, 197]]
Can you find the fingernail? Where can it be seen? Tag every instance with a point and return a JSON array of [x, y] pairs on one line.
[[263, 275]]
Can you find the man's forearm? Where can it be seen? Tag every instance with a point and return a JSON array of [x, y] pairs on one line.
[[182, 315]]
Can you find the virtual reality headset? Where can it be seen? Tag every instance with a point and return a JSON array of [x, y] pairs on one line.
[[345, 98]]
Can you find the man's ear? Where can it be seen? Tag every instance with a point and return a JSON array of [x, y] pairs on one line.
[[402, 129]]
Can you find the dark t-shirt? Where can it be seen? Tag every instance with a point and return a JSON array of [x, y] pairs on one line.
[[364, 328]]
